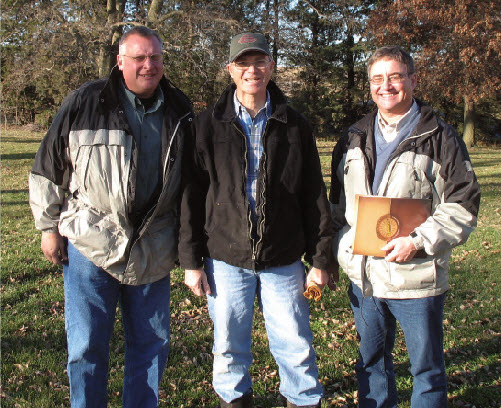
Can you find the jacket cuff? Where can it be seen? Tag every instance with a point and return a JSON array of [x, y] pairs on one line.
[[50, 230], [417, 240]]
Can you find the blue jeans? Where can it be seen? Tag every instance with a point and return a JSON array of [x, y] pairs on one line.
[[421, 322], [286, 316], [91, 298]]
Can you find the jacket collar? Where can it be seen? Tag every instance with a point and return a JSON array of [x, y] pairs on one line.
[[174, 97], [427, 124], [225, 112]]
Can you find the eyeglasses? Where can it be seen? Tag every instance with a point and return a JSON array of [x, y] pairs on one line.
[[142, 58], [242, 65], [392, 79]]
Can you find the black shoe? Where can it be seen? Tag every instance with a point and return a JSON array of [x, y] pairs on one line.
[[242, 402]]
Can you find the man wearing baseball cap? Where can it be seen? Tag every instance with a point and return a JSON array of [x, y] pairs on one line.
[[254, 203]]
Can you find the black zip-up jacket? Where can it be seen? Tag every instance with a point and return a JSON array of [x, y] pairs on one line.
[[293, 216]]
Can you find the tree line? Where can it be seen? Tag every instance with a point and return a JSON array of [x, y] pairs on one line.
[[50, 47]]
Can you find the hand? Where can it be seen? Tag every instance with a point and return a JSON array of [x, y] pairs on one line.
[[319, 276], [196, 280], [333, 272], [54, 248], [399, 250]]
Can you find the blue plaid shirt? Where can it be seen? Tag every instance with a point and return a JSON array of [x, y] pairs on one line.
[[253, 129]]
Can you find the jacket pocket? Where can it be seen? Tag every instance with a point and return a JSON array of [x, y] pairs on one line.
[[101, 161], [417, 274], [158, 245], [409, 178], [354, 181], [93, 234], [292, 169], [350, 263], [221, 214]]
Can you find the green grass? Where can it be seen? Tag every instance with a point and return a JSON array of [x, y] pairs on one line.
[[33, 340]]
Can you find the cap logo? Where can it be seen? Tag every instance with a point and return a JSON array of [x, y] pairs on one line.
[[247, 39]]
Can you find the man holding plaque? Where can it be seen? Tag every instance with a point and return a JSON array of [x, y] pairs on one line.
[[399, 152]]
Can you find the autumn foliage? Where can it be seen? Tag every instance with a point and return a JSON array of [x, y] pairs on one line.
[[456, 44]]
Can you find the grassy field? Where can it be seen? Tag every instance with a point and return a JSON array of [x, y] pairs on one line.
[[33, 341]]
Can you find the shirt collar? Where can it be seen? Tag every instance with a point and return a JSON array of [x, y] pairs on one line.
[[404, 120], [241, 110], [136, 103]]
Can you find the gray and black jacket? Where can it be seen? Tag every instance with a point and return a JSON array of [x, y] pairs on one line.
[[83, 182], [292, 207], [432, 163]]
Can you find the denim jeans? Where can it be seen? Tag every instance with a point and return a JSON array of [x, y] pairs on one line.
[[286, 316], [421, 322], [91, 298]]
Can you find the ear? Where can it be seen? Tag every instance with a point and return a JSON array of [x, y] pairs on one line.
[[120, 62], [414, 79]]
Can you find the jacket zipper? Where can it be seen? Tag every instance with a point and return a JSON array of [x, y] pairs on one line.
[[262, 163], [249, 212], [144, 227]]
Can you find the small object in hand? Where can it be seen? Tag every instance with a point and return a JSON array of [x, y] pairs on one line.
[[313, 291]]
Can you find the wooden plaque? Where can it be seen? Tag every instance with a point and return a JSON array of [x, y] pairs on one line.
[[380, 219]]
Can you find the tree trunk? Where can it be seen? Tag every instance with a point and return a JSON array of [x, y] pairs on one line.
[[469, 122], [155, 11], [276, 31]]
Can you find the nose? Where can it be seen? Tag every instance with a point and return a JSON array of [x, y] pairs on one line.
[[386, 83], [148, 63]]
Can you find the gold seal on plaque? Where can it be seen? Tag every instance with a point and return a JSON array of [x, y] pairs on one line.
[[387, 227]]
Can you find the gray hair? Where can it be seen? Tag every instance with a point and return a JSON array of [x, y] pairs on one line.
[[142, 31], [392, 52]]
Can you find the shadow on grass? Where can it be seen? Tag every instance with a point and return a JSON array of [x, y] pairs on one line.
[[8, 203], [474, 381], [49, 342], [16, 139], [477, 164], [21, 191], [18, 156]]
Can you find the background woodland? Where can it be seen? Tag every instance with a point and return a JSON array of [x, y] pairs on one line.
[[50, 47]]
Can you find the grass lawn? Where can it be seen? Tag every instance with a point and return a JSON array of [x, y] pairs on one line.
[[33, 340]]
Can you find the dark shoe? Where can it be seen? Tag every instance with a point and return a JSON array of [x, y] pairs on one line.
[[291, 405], [242, 402]]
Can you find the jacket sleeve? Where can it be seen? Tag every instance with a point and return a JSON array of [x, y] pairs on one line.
[[48, 180], [337, 197], [194, 184], [316, 213], [455, 217]]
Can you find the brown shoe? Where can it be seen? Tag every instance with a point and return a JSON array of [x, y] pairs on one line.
[[242, 402]]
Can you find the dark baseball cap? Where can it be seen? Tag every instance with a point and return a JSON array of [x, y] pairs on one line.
[[245, 42]]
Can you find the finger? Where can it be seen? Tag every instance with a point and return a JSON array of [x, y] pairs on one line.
[[389, 246], [199, 290], [56, 259], [52, 257], [64, 254], [206, 286], [391, 256]]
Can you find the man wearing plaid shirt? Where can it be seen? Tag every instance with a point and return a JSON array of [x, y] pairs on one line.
[[253, 129], [254, 203]]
